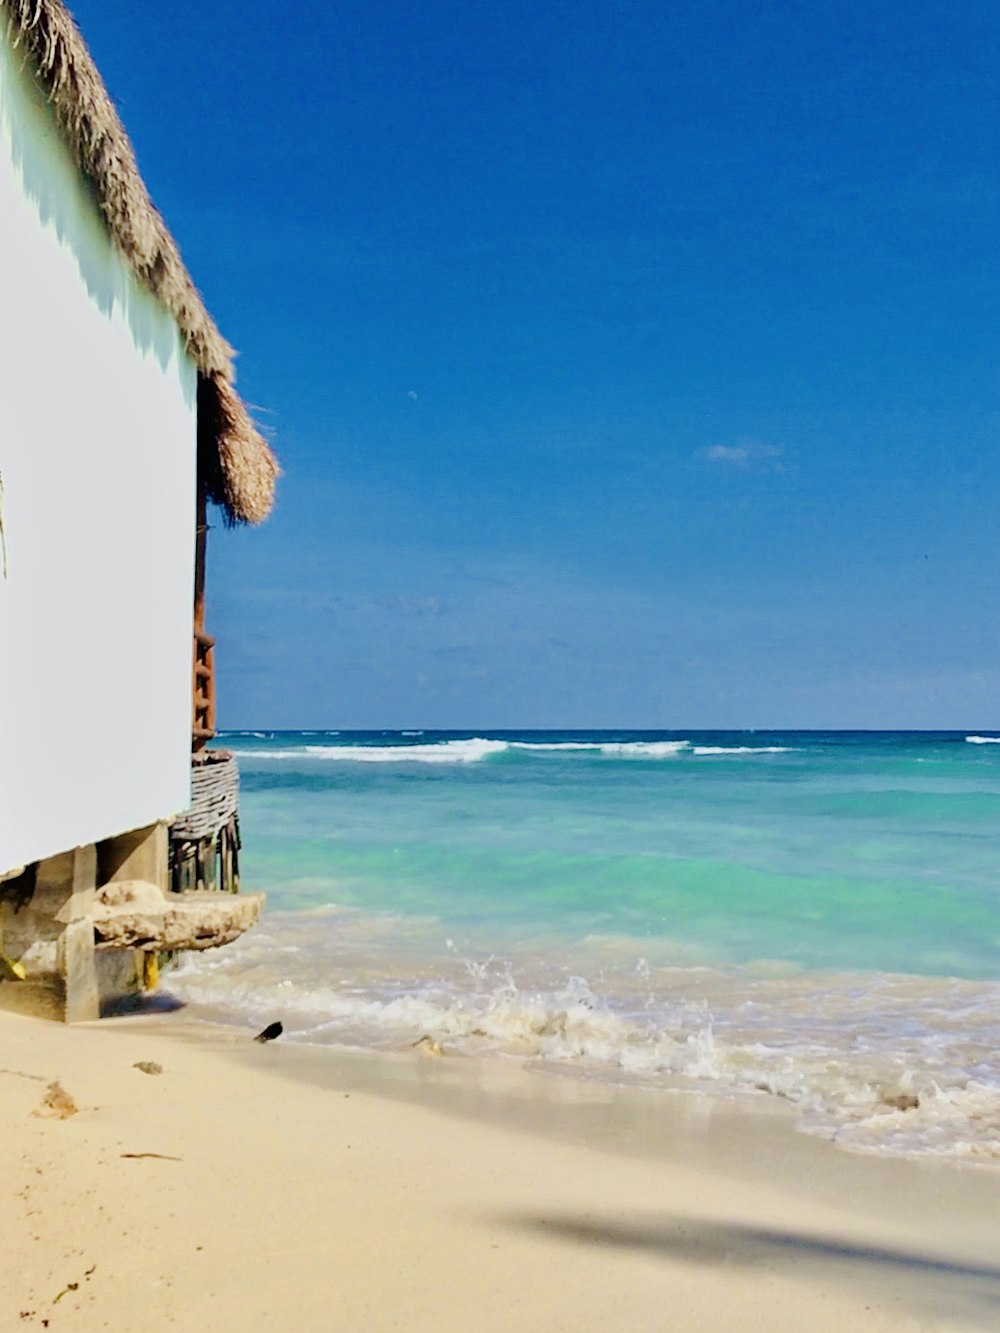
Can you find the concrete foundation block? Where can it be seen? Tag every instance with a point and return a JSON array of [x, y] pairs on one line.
[[78, 966]]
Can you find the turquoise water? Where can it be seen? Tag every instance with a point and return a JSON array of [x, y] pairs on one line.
[[809, 914]]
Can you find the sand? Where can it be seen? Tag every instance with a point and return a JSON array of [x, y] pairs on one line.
[[277, 1187]]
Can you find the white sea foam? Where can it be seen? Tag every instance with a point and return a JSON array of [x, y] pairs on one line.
[[270, 754], [866, 1104], [555, 746], [742, 749], [983, 740], [614, 749], [645, 749], [479, 748], [877, 1063], [443, 752], [648, 749]]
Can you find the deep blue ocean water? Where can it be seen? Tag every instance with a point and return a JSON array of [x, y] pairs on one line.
[[807, 914]]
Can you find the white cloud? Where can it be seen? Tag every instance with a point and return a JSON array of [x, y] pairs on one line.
[[747, 456]]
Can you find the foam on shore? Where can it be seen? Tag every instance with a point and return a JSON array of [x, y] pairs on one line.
[[886, 1064]]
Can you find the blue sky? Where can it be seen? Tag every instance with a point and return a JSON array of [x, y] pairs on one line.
[[630, 364]]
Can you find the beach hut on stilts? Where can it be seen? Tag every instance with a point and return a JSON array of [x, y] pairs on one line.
[[119, 427]]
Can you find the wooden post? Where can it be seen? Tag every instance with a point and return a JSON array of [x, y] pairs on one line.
[[203, 652], [200, 546], [226, 858], [211, 863]]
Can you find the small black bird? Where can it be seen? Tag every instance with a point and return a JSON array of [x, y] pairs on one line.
[[270, 1032]]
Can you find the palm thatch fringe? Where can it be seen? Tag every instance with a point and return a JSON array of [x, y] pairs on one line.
[[239, 469], [243, 467]]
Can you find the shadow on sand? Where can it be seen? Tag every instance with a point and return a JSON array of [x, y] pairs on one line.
[[929, 1285]]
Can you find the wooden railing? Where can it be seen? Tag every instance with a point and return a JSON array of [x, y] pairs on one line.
[[203, 690]]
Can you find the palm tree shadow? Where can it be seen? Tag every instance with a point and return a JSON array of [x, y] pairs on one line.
[[934, 1284]]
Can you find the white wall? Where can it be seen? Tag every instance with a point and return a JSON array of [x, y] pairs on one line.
[[97, 456]]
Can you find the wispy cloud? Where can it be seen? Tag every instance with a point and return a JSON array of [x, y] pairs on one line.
[[747, 456]]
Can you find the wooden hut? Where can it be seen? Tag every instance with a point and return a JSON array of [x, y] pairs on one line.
[[119, 422]]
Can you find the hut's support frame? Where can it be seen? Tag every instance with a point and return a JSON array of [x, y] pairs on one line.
[[82, 933], [47, 928]]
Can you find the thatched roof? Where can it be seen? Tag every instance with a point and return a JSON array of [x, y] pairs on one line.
[[238, 463]]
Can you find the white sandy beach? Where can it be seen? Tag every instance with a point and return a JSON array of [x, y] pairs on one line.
[[273, 1187]]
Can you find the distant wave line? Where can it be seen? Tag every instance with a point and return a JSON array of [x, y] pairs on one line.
[[479, 748]]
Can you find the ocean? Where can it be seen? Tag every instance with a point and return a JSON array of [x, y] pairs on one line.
[[811, 916]]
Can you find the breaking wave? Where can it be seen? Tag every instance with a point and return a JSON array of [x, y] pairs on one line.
[[441, 752], [617, 749], [742, 749], [478, 748], [848, 1055]]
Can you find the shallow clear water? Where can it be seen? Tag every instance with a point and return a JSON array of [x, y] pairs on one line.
[[811, 915]]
